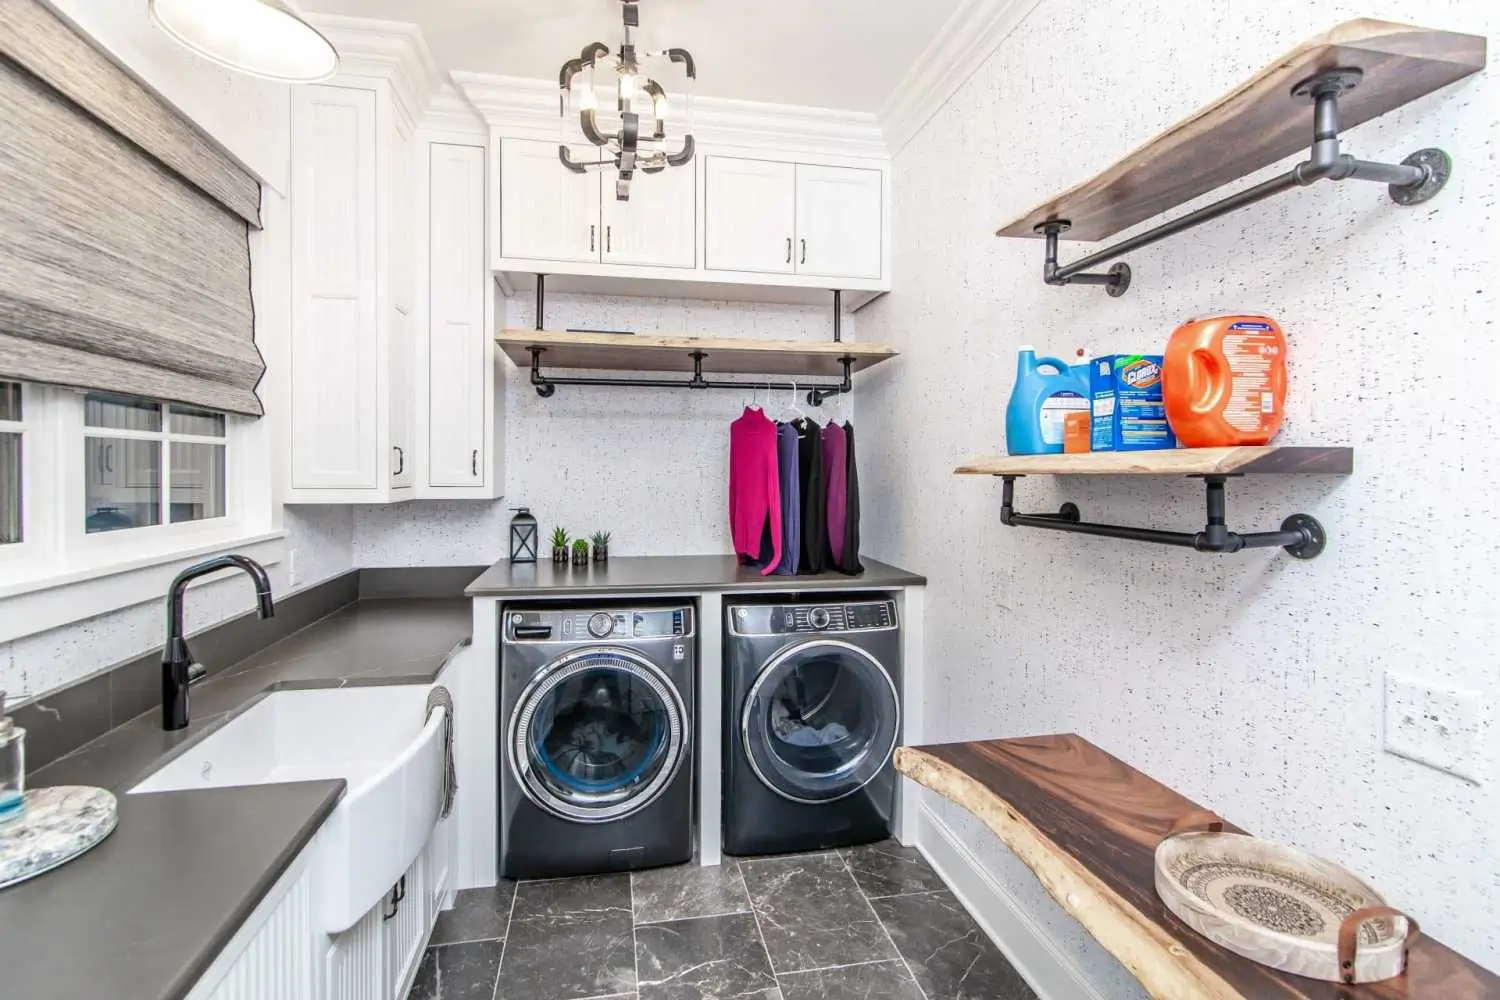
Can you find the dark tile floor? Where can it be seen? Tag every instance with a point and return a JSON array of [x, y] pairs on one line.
[[867, 923]]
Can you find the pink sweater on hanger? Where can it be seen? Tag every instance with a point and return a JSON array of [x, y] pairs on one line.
[[754, 487]]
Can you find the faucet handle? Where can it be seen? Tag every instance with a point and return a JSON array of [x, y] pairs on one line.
[[196, 672]]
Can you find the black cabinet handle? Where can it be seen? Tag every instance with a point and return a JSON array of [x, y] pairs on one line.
[[400, 461], [804, 253], [591, 238], [474, 462], [609, 239], [788, 249], [109, 458]]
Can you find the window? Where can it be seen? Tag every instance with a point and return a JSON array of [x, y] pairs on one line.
[[148, 464], [12, 446]]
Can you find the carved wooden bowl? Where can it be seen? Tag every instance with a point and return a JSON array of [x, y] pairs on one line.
[[1278, 906]]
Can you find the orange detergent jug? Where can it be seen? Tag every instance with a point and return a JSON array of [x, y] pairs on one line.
[[1224, 381]]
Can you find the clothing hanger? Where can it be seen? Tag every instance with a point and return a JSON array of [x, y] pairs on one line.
[[791, 405]]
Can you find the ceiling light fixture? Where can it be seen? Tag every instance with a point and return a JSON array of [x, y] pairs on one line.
[[266, 38], [638, 98]]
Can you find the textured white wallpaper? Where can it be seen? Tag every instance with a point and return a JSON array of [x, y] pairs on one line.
[[1252, 683], [648, 465]]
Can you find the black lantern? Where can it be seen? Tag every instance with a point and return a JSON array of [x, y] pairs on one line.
[[522, 536]]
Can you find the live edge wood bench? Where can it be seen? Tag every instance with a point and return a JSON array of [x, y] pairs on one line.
[[1088, 824]]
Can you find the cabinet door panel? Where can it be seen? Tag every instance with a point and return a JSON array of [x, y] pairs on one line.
[[547, 212], [839, 221], [457, 372], [750, 215], [334, 362], [403, 408], [658, 225]]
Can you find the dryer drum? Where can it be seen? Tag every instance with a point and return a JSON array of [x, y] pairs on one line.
[[597, 735]]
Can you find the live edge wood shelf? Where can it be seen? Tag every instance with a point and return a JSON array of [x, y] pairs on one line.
[[1088, 824], [1357, 71], [795, 359], [1300, 535]]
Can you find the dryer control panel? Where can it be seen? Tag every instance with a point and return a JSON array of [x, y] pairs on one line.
[[792, 619], [597, 624]]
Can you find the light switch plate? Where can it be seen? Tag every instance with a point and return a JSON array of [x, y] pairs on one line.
[[1434, 724]]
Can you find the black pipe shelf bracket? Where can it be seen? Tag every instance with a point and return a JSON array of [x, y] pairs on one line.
[[1300, 534], [546, 385], [1414, 180]]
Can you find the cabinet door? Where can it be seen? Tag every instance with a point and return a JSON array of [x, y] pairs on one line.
[[402, 234], [335, 440], [750, 215], [403, 405], [658, 225], [456, 368], [547, 212], [838, 221]]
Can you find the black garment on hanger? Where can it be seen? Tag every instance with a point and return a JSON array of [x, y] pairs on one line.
[[814, 498], [850, 564]]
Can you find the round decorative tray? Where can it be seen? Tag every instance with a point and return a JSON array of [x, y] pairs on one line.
[[1279, 906], [57, 826]]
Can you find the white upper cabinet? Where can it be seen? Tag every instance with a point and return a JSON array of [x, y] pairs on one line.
[[839, 226], [459, 371], [547, 212], [335, 443], [658, 225], [750, 215]]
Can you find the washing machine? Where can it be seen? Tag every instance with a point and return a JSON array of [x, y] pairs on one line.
[[595, 713], [812, 717]]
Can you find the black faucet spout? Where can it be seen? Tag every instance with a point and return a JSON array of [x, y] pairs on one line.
[[177, 660]]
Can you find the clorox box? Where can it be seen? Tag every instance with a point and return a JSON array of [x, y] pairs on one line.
[[1128, 413]]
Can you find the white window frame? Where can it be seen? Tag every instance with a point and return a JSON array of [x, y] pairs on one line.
[[61, 574]]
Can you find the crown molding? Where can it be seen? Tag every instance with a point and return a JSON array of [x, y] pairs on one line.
[[450, 114], [525, 107], [387, 50], [969, 37]]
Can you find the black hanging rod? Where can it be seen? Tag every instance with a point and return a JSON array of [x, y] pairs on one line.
[[1301, 534], [546, 385], [1411, 182]]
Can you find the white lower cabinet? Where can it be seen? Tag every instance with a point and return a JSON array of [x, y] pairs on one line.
[[275, 953]]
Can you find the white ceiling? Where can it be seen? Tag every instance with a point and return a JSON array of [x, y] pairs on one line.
[[844, 54]]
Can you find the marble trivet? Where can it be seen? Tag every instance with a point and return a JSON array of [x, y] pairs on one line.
[[58, 825]]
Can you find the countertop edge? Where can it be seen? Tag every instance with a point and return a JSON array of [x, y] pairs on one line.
[[190, 975]]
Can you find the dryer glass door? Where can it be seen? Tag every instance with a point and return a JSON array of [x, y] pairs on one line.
[[597, 735], [821, 721]]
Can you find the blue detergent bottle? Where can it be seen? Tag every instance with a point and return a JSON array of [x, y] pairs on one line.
[[1040, 401]]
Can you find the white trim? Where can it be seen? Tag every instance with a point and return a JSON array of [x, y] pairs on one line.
[[710, 727], [84, 591], [910, 616], [526, 108], [969, 37], [451, 118], [1050, 971], [387, 50]]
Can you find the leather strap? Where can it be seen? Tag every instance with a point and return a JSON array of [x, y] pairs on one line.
[[1197, 821], [1349, 935]]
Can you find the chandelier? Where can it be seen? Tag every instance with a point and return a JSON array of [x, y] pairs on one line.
[[632, 144]]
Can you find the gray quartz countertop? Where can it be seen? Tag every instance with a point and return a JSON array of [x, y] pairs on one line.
[[142, 915], [669, 575], [145, 913]]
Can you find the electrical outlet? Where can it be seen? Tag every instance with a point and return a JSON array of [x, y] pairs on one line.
[[1434, 725], [292, 576]]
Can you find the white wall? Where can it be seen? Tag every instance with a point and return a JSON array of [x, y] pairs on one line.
[[648, 465], [1252, 683]]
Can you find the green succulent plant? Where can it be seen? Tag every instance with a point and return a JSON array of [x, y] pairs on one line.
[[559, 538], [601, 539], [580, 545]]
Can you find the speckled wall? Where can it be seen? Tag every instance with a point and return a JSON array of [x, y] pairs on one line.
[[648, 465], [1252, 683]]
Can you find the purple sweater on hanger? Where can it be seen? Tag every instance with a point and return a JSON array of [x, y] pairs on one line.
[[836, 475]]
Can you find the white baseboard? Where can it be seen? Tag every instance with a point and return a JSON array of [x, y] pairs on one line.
[[1051, 972]]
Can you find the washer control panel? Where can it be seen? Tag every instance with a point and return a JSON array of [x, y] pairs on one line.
[[793, 619], [600, 624]]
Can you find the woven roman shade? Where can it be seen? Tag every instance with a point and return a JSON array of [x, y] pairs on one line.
[[124, 256]]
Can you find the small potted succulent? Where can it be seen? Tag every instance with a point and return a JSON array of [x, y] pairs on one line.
[[601, 546], [580, 552], [559, 545]]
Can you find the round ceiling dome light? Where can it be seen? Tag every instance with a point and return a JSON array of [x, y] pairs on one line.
[[266, 38]]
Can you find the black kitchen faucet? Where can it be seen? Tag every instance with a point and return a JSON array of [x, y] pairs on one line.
[[178, 668]]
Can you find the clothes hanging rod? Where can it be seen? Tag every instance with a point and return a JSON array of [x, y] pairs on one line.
[[1413, 181], [1301, 535], [546, 385]]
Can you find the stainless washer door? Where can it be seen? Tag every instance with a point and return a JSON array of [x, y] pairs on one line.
[[597, 735], [820, 721]]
